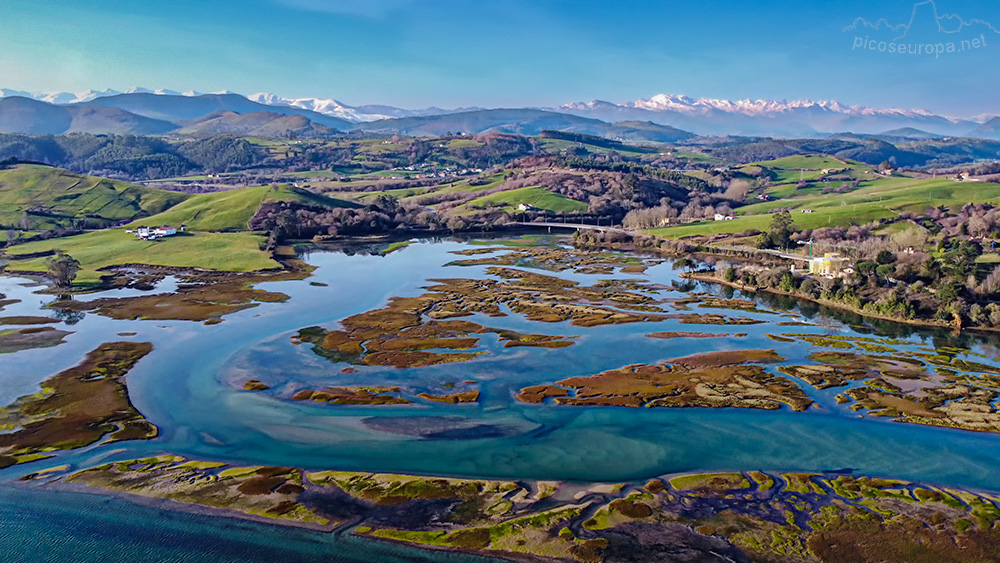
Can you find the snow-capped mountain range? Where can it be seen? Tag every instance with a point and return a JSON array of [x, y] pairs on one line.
[[710, 116], [705, 116], [684, 104], [66, 98]]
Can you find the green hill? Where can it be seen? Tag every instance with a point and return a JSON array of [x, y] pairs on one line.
[[805, 162], [877, 199], [219, 211], [533, 196], [57, 198], [235, 252], [232, 210]]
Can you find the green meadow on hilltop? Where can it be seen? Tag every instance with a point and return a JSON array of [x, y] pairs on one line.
[[236, 252], [538, 197], [232, 210], [66, 196], [49, 198], [873, 200]]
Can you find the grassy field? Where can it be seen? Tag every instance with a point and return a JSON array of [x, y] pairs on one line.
[[878, 199], [220, 211], [790, 170], [464, 143], [557, 145], [401, 194], [535, 196], [807, 162], [461, 186], [231, 210], [238, 252], [66, 196], [491, 182]]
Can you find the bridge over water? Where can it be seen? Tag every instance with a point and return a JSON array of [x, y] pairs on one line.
[[577, 227]]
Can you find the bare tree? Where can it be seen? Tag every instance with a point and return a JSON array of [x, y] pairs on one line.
[[737, 190]]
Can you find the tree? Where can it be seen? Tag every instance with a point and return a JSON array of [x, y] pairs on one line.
[[977, 315], [737, 190], [991, 284], [765, 241], [787, 283], [781, 229], [948, 291], [885, 257], [62, 269], [683, 263], [914, 237], [808, 287], [781, 221], [885, 271], [286, 223], [865, 268]]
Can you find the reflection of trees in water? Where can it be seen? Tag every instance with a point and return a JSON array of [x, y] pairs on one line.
[[68, 317], [940, 338], [363, 248], [685, 286], [728, 292]]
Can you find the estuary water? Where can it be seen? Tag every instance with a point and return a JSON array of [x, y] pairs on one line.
[[190, 387]]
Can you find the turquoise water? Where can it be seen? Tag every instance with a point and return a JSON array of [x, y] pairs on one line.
[[189, 388], [42, 526]]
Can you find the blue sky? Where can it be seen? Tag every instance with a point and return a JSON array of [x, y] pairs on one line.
[[415, 53]]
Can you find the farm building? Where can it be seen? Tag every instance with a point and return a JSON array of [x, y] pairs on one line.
[[149, 233], [829, 265]]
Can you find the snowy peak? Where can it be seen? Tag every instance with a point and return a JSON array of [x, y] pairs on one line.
[[9, 93], [159, 92], [329, 107], [357, 114], [66, 98], [765, 117], [61, 98], [265, 98], [755, 108]]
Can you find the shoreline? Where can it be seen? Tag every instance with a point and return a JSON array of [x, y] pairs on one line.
[[782, 482], [159, 503], [926, 323]]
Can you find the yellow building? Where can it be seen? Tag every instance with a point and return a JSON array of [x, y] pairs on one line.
[[829, 265]]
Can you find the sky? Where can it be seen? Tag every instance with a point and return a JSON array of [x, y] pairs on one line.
[[505, 53]]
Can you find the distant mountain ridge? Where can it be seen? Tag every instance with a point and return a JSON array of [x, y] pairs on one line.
[[181, 108], [357, 114], [24, 115], [702, 116], [257, 124], [798, 118], [523, 121]]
